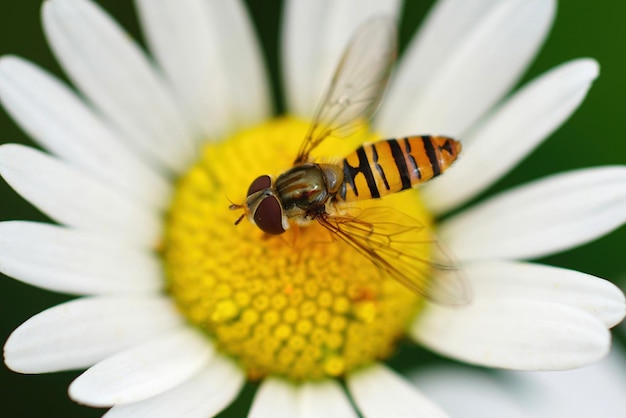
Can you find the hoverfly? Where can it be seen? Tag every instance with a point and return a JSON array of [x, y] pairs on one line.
[[320, 192]]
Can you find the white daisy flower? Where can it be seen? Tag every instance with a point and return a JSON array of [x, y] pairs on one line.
[[180, 308]]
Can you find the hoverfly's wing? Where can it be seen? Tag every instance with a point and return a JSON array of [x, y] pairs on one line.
[[396, 244], [357, 86]]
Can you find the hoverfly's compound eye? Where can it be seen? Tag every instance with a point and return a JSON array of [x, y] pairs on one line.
[[268, 216], [260, 183]]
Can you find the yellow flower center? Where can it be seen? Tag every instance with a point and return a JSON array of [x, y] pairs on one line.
[[301, 305]]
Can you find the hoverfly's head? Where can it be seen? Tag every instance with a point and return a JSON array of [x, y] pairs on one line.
[[263, 207]]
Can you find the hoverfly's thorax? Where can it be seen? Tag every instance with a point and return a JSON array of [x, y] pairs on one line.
[[333, 177], [302, 188]]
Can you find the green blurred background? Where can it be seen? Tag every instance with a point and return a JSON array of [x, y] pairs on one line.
[[596, 135]]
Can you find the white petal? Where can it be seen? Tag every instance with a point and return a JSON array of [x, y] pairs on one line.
[[379, 392], [65, 260], [80, 333], [502, 280], [315, 34], [275, 398], [209, 51], [116, 76], [454, 388], [466, 57], [76, 199], [597, 390], [593, 391], [143, 371], [324, 399], [514, 334], [56, 118], [511, 132], [541, 218], [204, 395]]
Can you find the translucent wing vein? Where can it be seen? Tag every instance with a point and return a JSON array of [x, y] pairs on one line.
[[398, 248], [357, 86]]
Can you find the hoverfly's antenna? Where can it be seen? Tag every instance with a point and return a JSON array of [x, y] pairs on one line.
[[235, 206]]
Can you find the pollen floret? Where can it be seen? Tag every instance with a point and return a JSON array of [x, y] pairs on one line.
[[302, 305]]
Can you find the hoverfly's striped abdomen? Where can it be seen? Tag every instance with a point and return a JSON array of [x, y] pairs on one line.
[[389, 166]]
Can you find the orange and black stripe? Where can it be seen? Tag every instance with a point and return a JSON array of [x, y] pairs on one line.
[[392, 165]]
